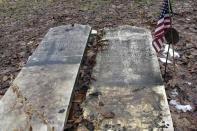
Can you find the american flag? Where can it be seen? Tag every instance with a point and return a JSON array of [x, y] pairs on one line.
[[163, 24]]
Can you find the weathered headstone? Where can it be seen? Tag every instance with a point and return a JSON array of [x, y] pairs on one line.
[[128, 93], [40, 97]]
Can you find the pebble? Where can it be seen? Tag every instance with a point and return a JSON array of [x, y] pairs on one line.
[[5, 78]]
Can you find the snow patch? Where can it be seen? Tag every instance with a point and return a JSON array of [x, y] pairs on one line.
[[174, 93], [173, 102], [176, 54], [94, 32], [189, 83], [164, 60], [184, 108], [178, 106]]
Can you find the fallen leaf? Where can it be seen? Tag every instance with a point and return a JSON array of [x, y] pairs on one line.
[[108, 115]]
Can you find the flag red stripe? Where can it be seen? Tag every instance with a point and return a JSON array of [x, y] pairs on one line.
[[155, 47], [162, 25], [162, 30]]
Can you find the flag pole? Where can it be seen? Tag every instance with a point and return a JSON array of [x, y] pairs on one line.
[[171, 13], [166, 63]]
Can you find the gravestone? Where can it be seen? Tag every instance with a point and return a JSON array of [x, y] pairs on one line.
[[128, 93], [39, 99]]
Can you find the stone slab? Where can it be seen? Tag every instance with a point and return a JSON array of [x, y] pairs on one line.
[[39, 99], [128, 93]]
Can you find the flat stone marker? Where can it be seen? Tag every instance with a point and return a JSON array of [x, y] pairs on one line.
[[40, 97], [128, 94]]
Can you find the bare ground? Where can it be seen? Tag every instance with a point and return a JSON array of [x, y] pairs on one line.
[[23, 23]]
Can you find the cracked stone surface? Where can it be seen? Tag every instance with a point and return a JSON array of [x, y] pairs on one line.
[[45, 85], [128, 93]]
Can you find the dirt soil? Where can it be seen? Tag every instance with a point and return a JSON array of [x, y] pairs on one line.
[[23, 24]]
